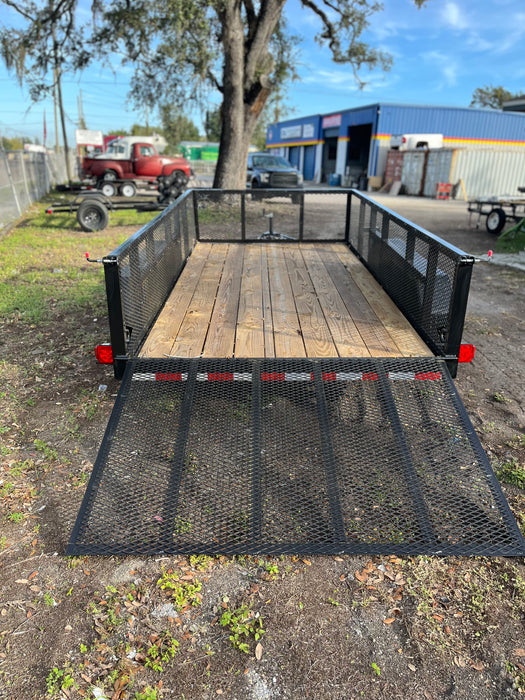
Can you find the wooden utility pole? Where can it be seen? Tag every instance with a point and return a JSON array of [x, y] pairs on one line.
[[57, 138], [61, 105]]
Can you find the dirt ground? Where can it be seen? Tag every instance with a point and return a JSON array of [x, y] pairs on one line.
[[248, 627]]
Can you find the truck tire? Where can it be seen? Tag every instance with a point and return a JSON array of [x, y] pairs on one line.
[[495, 221], [108, 189], [92, 215], [110, 175], [171, 186], [128, 189]]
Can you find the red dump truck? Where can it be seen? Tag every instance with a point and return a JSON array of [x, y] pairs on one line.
[[127, 162]]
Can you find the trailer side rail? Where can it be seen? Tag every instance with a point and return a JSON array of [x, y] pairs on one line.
[[426, 277]]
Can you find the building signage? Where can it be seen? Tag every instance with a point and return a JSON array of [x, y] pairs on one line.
[[291, 132], [332, 120], [85, 137], [308, 131]]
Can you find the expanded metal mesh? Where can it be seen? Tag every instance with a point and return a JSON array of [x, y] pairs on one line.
[[423, 274], [149, 263], [298, 214], [292, 456]]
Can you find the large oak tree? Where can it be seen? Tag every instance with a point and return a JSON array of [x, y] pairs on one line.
[[243, 49], [183, 49]]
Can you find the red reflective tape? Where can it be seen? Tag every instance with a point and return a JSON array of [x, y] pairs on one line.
[[272, 376], [168, 377], [329, 376], [373, 376], [220, 376], [427, 375]]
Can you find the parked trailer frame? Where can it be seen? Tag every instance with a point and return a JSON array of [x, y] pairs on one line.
[[497, 211], [92, 208]]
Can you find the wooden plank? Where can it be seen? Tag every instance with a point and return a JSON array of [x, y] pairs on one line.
[[399, 328], [316, 334], [269, 343], [192, 333], [220, 340], [286, 327], [344, 331], [161, 336], [249, 337], [371, 329]]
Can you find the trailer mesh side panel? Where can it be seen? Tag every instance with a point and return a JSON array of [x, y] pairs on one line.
[[292, 456], [149, 264], [427, 278]]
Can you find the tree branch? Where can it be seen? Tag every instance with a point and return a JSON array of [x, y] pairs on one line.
[[257, 49], [213, 80], [18, 9]]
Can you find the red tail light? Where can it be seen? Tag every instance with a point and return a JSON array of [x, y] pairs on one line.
[[104, 354], [466, 353]]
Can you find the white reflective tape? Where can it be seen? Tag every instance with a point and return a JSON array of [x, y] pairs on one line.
[[242, 376], [298, 376], [202, 376], [401, 375], [143, 377], [349, 376]]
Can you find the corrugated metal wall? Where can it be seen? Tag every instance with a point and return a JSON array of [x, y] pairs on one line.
[[461, 126], [413, 171], [489, 172], [439, 165]]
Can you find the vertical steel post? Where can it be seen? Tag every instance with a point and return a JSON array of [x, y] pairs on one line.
[[458, 310], [116, 317]]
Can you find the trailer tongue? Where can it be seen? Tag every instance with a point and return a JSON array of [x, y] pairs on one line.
[[303, 454]]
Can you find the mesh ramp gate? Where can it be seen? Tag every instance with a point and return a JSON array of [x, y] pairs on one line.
[[281, 456]]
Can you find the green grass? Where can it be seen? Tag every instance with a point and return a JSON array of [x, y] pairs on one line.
[[43, 267], [512, 240], [511, 472]]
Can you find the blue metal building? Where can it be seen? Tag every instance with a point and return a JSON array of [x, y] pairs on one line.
[[355, 142]]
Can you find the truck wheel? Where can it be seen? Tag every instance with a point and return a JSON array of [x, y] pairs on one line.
[[110, 175], [128, 189], [92, 215], [495, 221], [171, 186], [108, 189]]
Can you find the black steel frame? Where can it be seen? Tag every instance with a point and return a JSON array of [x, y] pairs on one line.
[[371, 244]]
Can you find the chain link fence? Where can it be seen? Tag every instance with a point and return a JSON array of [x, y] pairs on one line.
[[25, 177]]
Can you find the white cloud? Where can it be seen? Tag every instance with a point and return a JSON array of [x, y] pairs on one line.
[[453, 16], [514, 34], [444, 66]]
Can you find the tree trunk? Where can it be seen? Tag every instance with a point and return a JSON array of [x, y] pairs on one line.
[[233, 150], [244, 92]]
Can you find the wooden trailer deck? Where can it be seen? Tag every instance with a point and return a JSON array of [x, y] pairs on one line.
[[279, 300]]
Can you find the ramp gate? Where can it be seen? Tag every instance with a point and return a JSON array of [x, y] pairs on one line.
[[279, 456]]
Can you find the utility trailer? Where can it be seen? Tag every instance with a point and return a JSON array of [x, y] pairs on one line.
[[498, 210], [92, 208], [287, 387]]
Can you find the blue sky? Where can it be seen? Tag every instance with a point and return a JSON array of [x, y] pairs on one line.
[[441, 54]]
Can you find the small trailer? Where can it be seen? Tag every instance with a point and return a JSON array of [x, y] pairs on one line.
[[287, 387], [93, 207], [497, 211]]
